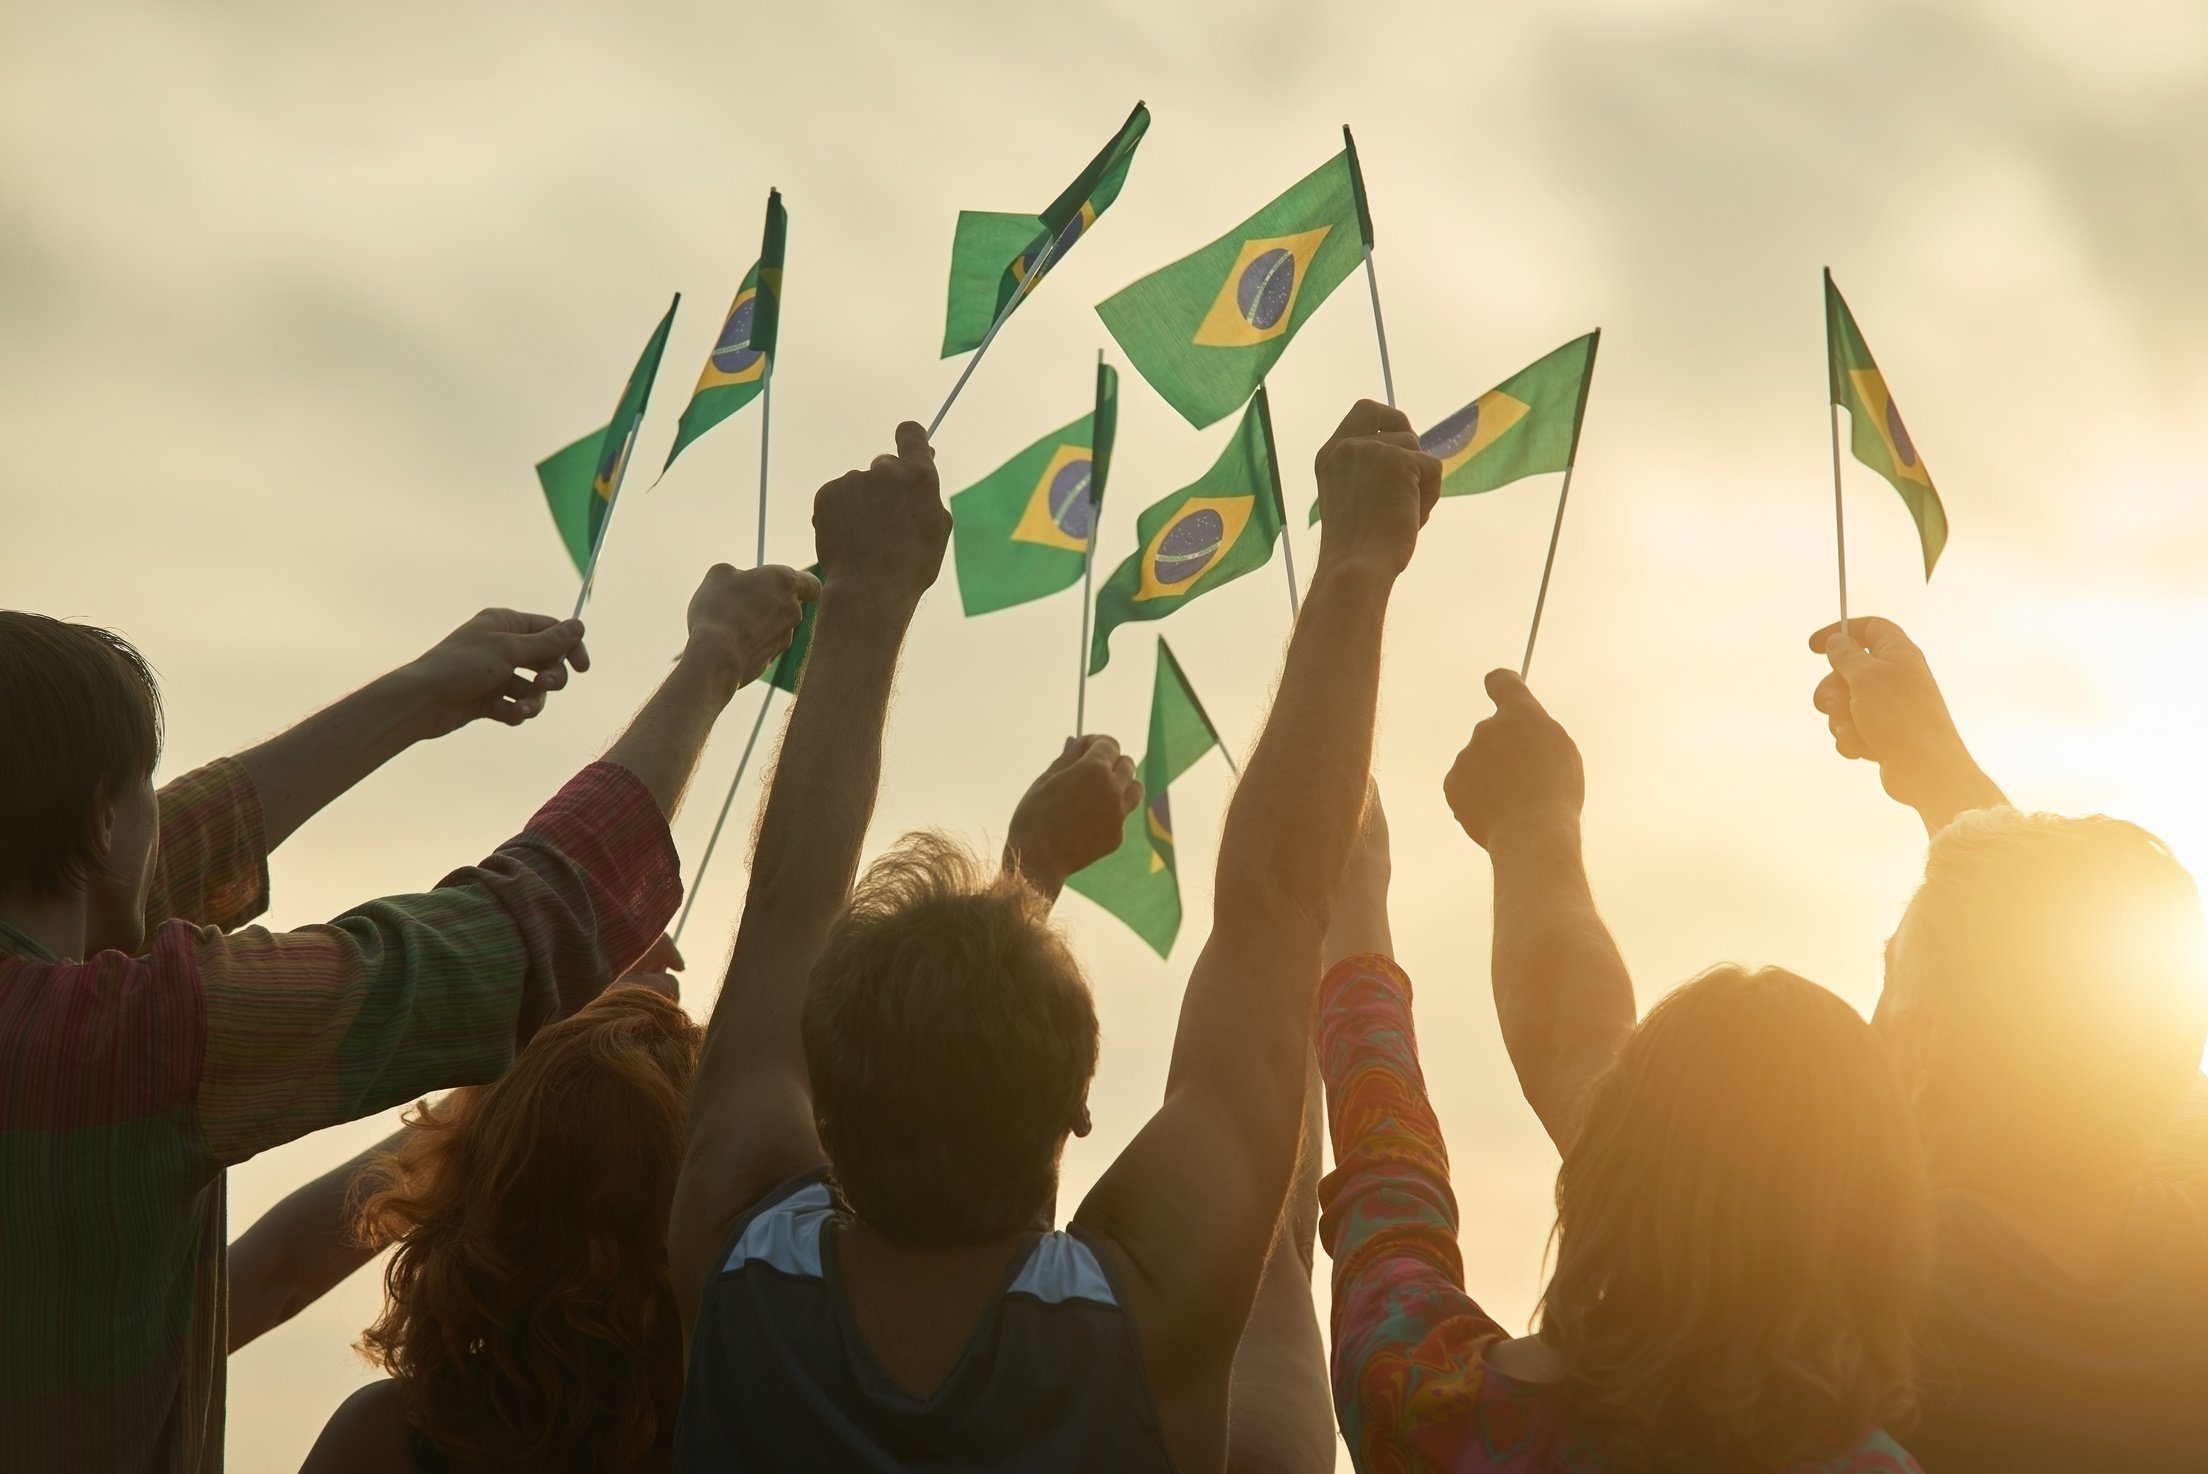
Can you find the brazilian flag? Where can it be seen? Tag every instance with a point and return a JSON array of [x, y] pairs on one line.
[[1204, 535], [994, 256], [1140, 881], [1205, 330], [1024, 530], [788, 669], [580, 481], [1879, 439], [736, 370], [1528, 425]]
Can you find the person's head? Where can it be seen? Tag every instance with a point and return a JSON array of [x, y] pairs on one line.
[[2046, 997], [529, 1313], [950, 1038], [80, 732], [1743, 1234]]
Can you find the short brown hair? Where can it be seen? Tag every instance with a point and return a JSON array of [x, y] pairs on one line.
[[1743, 1234], [950, 1037], [80, 722]]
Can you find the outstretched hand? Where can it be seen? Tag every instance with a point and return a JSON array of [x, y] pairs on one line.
[[500, 665], [1073, 815], [1883, 705], [1520, 765]]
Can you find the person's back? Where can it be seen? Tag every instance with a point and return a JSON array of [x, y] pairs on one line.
[[2047, 1002]]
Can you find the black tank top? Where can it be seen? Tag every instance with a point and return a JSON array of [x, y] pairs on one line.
[[1052, 1378]]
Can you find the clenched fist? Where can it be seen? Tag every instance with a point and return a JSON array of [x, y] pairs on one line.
[[1376, 488], [1074, 814], [884, 529], [1519, 764], [745, 618]]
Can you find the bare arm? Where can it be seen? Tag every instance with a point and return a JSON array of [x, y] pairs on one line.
[[471, 674], [881, 534], [1191, 1205], [1882, 704], [1562, 993], [1072, 815], [299, 1250]]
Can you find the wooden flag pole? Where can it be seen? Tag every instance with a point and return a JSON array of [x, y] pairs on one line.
[[1380, 327], [1035, 274], [697, 882], [1563, 495], [766, 418]]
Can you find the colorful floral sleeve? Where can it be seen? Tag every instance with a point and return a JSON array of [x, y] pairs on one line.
[[211, 868], [1408, 1341]]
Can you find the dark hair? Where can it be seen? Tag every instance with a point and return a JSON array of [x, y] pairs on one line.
[[950, 1037], [80, 722]]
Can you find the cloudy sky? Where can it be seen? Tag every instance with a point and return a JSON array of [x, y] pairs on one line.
[[292, 296]]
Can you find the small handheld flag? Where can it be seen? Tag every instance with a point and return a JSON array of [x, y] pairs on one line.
[[736, 370], [1023, 531], [997, 260], [582, 481], [1207, 329], [1208, 533], [1140, 881], [1878, 438]]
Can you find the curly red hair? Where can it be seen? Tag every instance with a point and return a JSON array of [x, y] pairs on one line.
[[529, 1315]]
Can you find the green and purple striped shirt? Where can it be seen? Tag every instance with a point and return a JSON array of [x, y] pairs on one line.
[[127, 1084]]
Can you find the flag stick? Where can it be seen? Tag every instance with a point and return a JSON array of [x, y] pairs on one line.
[[1088, 587], [1839, 520], [1380, 327], [1541, 599], [697, 882], [1188, 689], [590, 569], [1280, 502], [766, 416], [1034, 275]]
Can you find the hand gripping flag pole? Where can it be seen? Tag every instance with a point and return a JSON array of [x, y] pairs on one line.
[[1563, 495], [1372, 279]]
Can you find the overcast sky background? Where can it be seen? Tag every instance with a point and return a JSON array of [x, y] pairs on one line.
[[293, 296]]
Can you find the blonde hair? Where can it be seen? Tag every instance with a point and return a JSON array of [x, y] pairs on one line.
[[2064, 963], [1742, 1236]]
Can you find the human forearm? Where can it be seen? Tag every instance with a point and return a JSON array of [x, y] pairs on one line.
[[1562, 993], [664, 739], [300, 772], [1954, 789], [299, 1250]]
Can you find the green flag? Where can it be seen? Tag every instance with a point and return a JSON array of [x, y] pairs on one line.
[[1205, 330], [788, 670], [1022, 531], [1204, 535], [742, 357], [1528, 425], [1140, 881], [1879, 439], [581, 480], [993, 254]]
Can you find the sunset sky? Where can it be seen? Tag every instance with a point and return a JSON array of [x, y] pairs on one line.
[[293, 296]]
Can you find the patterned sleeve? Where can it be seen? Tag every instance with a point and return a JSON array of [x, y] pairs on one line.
[[1408, 1341], [411, 994], [211, 868]]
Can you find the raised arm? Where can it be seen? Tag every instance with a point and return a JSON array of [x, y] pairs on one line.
[[1562, 992], [1190, 1206], [1882, 704], [1071, 816], [500, 666], [881, 533], [299, 1250]]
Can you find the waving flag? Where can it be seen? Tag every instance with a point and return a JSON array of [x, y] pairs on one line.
[[1140, 881], [1205, 330], [1878, 438], [581, 480], [1023, 531], [736, 370], [1202, 536], [994, 256]]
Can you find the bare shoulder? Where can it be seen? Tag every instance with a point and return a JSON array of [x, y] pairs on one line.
[[366, 1435]]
